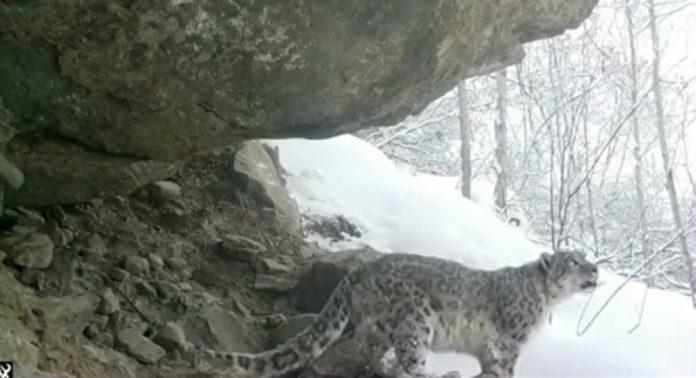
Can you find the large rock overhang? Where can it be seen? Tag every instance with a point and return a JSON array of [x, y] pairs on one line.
[[126, 88]]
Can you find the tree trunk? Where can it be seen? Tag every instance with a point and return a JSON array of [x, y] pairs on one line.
[[501, 141], [465, 136], [660, 124], [637, 150]]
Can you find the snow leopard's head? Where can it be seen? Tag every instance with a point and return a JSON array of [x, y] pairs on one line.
[[567, 273]]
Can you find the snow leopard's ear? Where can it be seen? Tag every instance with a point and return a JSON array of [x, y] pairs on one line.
[[545, 261]]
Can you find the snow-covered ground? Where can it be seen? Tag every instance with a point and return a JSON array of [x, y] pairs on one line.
[[426, 215]]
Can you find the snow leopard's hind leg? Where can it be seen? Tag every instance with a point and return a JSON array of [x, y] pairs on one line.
[[410, 334]]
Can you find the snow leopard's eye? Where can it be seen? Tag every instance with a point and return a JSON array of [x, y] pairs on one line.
[[573, 262]]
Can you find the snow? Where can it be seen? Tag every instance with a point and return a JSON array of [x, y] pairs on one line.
[[426, 215]]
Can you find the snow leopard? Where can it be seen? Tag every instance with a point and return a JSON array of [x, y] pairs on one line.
[[407, 305]]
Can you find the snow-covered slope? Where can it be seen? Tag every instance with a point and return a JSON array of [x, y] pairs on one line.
[[400, 212]]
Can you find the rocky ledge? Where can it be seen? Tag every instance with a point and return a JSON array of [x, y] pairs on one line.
[[100, 98]]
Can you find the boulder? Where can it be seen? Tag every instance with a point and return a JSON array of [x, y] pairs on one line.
[[140, 347], [58, 172], [68, 315], [133, 86], [239, 247], [172, 337], [323, 274], [221, 329], [28, 250], [257, 177]]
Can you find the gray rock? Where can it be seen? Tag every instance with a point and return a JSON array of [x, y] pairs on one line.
[[31, 277], [240, 247], [274, 283], [288, 329], [3, 255], [17, 343], [137, 265], [28, 250], [161, 191], [91, 331], [93, 246], [257, 177], [194, 86], [272, 266], [176, 263], [81, 175], [60, 236], [99, 320], [104, 338], [139, 346], [121, 364], [274, 320], [26, 220], [166, 290], [109, 302], [224, 328], [172, 337], [9, 173], [118, 275], [144, 288], [68, 315], [156, 261], [309, 251], [317, 282]]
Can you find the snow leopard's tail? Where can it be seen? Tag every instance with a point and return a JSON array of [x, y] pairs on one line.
[[299, 351]]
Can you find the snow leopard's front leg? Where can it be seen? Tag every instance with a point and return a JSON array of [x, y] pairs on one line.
[[498, 358]]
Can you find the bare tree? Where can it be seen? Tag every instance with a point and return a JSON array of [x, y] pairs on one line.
[[660, 125], [465, 137], [637, 149], [501, 140]]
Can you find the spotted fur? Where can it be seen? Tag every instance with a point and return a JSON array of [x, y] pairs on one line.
[[408, 304]]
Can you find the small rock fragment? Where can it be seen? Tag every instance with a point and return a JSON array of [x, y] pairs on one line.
[[164, 190], [275, 320], [91, 331], [93, 246], [60, 237], [272, 266], [118, 275], [104, 338], [29, 250], [137, 265], [145, 289], [109, 302], [240, 247], [273, 283], [156, 261], [172, 337], [166, 290], [140, 347], [176, 263]]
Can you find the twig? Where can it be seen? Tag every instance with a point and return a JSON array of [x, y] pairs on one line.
[[642, 310], [625, 281]]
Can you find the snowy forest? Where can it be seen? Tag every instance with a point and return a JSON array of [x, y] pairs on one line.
[[589, 143]]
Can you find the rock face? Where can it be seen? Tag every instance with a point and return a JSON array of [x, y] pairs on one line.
[[98, 97], [258, 178]]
